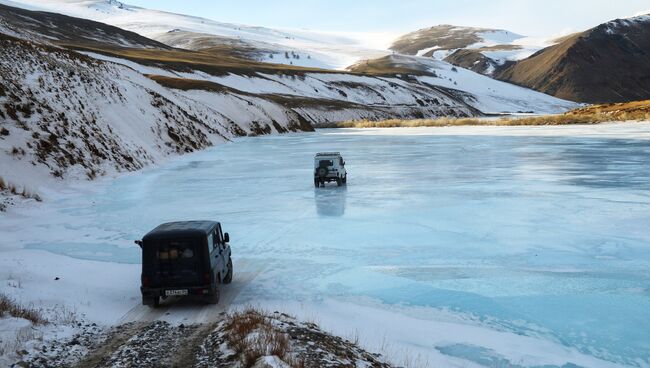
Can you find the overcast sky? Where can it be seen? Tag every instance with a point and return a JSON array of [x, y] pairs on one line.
[[527, 17]]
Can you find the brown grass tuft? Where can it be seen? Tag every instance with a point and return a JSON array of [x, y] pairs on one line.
[[252, 335], [9, 307]]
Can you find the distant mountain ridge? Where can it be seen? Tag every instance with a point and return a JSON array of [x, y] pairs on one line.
[[608, 63], [290, 47], [482, 50], [426, 41]]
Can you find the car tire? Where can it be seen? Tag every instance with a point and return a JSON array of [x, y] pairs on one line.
[[339, 181], [316, 183], [228, 278], [345, 179], [213, 298], [153, 302]]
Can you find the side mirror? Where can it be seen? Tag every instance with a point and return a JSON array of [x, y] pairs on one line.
[[138, 242], [226, 238]]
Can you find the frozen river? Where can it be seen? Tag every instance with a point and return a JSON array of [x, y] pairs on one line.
[[492, 247]]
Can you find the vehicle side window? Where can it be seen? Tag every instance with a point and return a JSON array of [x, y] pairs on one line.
[[221, 235], [211, 241], [341, 161], [217, 238]]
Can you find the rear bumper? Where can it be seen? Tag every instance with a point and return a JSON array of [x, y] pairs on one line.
[[328, 178], [148, 292]]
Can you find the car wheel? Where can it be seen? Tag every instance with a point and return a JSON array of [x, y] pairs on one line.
[[228, 278], [339, 181], [345, 179], [213, 298], [153, 302], [316, 183]]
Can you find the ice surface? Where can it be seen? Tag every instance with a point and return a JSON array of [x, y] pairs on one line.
[[472, 246]]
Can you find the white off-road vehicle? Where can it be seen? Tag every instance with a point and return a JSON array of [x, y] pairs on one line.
[[329, 166]]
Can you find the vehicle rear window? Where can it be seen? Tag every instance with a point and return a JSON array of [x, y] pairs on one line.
[[326, 163], [175, 250]]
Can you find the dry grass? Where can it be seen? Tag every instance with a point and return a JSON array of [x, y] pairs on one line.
[[189, 61], [252, 335], [13, 189], [631, 111], [10, 307]]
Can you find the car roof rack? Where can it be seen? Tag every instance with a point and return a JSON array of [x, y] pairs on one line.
[[328, 154]]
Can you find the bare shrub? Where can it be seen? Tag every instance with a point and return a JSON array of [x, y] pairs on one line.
[[10, 307], [252, 335]]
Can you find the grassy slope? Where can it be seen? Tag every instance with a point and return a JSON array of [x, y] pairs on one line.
[[595, 114], [207, 61], [384, 66]]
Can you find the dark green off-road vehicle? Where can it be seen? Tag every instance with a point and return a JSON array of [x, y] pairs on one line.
[[185, 258]]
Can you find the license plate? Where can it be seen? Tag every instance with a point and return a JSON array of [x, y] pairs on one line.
[[175, 292]]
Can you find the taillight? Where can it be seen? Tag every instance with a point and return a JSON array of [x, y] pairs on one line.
[[145, 281], [206, 277]]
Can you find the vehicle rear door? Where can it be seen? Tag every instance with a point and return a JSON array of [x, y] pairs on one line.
[[179, 262]]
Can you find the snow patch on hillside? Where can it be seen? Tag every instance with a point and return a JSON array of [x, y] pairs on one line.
[[325, 49]]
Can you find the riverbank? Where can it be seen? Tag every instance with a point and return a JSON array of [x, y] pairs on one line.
[[595, 114]]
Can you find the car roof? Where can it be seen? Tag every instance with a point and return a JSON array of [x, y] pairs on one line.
[[181, 229], [328, 154]]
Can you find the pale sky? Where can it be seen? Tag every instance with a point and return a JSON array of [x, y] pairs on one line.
[[527, 17]]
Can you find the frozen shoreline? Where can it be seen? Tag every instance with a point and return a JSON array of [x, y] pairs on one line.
[[622, 130]]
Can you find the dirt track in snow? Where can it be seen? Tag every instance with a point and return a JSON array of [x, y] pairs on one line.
[[143, 338]]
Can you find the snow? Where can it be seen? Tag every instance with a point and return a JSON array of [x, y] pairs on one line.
[[493, 38], [326, 49], [426, 50], [464, 246]]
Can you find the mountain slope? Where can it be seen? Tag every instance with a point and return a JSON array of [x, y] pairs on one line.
[[60, 29], [482, 50], [313, 49], [608, 63], [482, 92], [445, 37], [65, 115]]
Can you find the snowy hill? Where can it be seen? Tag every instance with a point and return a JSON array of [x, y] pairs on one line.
[[480, 49], [314, 49], [483, 93], [70, 116]]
